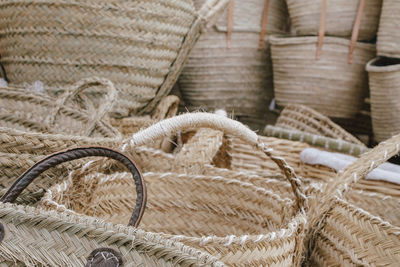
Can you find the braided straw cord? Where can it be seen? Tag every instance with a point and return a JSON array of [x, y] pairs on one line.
[[384, 92], [340, 17], [28, 110], [35, 237], [388, 35], [344, 85], [353, 233], [303, 118]]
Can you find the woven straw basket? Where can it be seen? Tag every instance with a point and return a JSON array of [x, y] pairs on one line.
[[346, 235], [340, 16], [32, 111], [32, 236], [239, 223], [384, 83], [302, 118], [329, 84], [227, 69], [139, 45], [388, 34]]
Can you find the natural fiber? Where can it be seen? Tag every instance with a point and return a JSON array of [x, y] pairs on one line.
[[32, 111], [388, 34], [344, 234], [32, 237], [330, 84], [302, 118], [340, 17], [141, 46], [239, 223], [236, 78], [384, 84]]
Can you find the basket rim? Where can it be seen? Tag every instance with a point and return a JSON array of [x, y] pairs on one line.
[[370, 67], [297, 40]]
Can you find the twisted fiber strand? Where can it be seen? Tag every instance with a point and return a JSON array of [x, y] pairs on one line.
[[340, 17], [303, 118], [342, 96], [68, 230], [388, 36]]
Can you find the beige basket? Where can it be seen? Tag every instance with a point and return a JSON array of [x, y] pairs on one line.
[[302, 118], [385, 91], [329, 84], [388, 34], [32, 111], [228, 70], [239, 223], [32, 237], [346, 235], [340, 16], [139, 45]]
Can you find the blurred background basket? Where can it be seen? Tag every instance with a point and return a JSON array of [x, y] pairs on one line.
[[388, 35]]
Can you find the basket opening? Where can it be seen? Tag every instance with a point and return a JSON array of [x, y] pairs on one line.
[[385, 61]]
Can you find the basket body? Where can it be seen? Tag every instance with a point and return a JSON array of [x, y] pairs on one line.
[[140, 46], [384, 81], [340, 17], [329, 85], [237, 79], [388, 35]]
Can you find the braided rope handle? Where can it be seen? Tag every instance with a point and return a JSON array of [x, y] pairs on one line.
[[78, 88], [211, 9], [77, 153], [170, 126]]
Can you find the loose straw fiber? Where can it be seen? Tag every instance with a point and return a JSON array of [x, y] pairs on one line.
[[141, 46], [340, 17], [237, 78], [329, 85], [384, 83]]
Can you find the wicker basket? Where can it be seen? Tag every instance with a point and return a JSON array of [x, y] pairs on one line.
[[239, 223], [340, 16], [302, 118], [236, 76], [346, 235], [384, 83], [32, 111], [388, 34], [32, 237], [139, 45], [329, 84]]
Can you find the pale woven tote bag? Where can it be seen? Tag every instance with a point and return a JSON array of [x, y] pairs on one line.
[[338, 82], [32, 236], [237, 222], [139, 45], [340, 17], [383, 74], [230, 66], [28, 110], [388, 35], [346, 235]]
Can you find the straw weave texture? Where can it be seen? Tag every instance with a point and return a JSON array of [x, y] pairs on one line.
[[384, 82], [388, 34], [340, 17], [140, 45], [329, 85]]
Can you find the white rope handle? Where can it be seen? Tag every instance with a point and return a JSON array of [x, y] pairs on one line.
[[207, 120]]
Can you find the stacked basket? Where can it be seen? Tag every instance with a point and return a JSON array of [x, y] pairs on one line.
[[384, 74], [326, 73], [230, 67]]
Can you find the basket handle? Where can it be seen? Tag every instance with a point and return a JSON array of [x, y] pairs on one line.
[[211, 9], [170, 126], [78, 88], [77, 153], [354, 34]]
